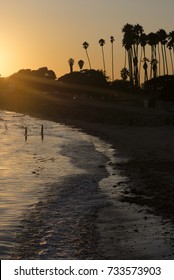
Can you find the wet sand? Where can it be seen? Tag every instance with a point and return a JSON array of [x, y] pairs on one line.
[[140, 224]]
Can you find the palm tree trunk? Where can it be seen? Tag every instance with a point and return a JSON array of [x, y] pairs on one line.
[[164, 68], [145, 70], [138, 69], [159, 60], [135, 65], [152, 57], [88, 59], [125, 59], [141, 54], [165, 54], [146, 75], [171, 61], [155, 55], [104, 68], [112, 61], [130, 66]]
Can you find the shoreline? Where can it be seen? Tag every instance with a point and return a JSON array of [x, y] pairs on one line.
[[139, 223], [144, 137]]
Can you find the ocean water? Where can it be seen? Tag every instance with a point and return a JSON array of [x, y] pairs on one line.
[[49, 189]]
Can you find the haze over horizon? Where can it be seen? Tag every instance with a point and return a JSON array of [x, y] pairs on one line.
[[48, 33]]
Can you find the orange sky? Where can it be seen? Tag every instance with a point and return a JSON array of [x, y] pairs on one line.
[[36, 33]]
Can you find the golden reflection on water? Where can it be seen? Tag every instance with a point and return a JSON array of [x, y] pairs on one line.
[[27, 167], [30, 165]]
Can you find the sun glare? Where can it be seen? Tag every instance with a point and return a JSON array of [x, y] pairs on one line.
[[5, 68]]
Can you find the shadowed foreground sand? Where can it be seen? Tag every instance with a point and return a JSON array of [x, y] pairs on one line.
[[140, 224]]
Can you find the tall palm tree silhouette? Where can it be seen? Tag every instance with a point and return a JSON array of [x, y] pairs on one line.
[[101, 43], [170, 46], [85, 46], [145, 60], [163, 40], [112, 50], [154, 67], [127, 42], [137, 32], [81, 64], [143, 42], [71, 63], [153, 40], [131, 41]]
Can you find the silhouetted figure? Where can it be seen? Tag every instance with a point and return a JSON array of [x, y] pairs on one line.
[[26, 133], [42, 132]]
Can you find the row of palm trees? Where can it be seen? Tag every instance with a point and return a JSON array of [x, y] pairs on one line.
[[161, 48], [102, 43], [85, 46], [71, 64], [135, 41]]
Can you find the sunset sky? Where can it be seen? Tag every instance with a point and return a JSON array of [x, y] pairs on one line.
[[36, 33]]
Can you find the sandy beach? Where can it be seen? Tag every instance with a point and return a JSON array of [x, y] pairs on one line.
[[140, 224]]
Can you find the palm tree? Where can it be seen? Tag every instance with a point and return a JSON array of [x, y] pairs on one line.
[[127, 42], [71, 63], [131, 41], [143, 42], [81, 64], [171, 39], [154, 63], [170, 46], [163, 40], [145, 67], [101, 43], [124, 73], [112, 48], [153, 40], [85, 46], [137, 32]]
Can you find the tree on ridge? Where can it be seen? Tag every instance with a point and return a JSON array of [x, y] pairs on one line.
[[81, 64], [85, 46], [71, 64], [102, 43]]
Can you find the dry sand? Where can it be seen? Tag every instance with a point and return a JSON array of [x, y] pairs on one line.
[[138, 223]]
